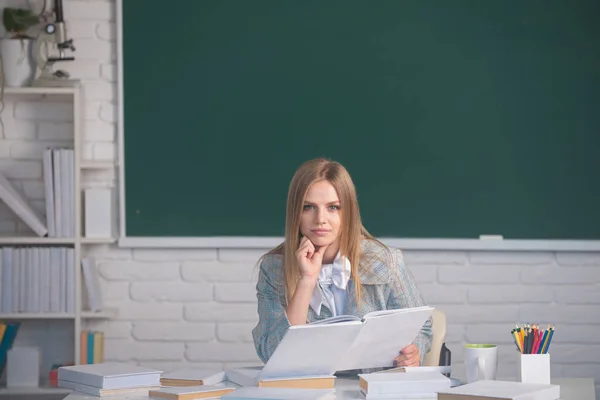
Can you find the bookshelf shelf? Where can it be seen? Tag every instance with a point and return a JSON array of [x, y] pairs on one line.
[[107, 313], [98, 240], [55, 93], [90, 164], [34, 240], [104, 314], [23, 316]]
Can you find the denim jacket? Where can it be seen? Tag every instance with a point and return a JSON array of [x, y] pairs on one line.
[[386, 284]]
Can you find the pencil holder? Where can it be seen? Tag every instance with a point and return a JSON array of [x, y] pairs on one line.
[[533, 368]]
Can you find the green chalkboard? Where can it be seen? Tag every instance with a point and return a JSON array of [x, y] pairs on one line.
[[455, 118]]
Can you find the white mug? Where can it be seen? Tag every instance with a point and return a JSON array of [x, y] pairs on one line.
[[481, 361]]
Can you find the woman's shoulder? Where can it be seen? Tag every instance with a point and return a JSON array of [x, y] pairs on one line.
[[375, 250], [378, 262], [271, 264]]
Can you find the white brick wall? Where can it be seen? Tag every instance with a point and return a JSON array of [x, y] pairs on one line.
[[197, 307]]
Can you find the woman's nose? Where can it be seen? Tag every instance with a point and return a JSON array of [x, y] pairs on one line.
[[321, 217]]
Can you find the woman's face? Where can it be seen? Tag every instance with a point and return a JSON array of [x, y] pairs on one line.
[[321, 215]]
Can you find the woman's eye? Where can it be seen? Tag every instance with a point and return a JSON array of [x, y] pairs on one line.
[[334, 207], [308, 207]]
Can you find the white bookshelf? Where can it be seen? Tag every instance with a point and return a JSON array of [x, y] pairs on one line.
[[97, 165], [78, 242], [35, 241], [104, 314]]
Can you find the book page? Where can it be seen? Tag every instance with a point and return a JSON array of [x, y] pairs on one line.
[[311, 350], [381, 313], [336, 319], [382, 337]]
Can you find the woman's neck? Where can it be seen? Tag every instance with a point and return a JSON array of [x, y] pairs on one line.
[[331, 253]]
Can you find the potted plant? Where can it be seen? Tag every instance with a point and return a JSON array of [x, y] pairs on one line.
[[17, 61]]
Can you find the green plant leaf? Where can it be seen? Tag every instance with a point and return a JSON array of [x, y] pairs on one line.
[[18, 20]]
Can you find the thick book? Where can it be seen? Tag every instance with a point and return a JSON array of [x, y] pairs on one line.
[[192, 377], [345, 343], [110, 375], [501, 390], [403, 383], [250, 376], [190, 392]]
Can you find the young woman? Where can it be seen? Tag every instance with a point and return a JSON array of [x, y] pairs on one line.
[[330, 265]]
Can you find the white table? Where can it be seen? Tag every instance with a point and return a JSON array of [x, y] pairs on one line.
[[347, 389]]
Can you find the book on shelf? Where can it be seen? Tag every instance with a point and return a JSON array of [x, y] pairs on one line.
[[501, 390], [19, 205], [345, 343], [92, 347], [8, 333], [59, 182], [192, 377], [190, 392], [91, 287], [37, 280]]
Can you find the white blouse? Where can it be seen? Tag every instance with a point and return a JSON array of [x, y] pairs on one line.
[[331, 287]]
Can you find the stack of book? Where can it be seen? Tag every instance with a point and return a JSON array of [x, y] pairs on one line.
[[108, 379], [250, 376], [92, 347], [37, 280], [401, 385], [59, 177], [59, 189]]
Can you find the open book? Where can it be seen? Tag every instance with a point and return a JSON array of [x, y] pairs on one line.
[[350, 318], [345, 343]]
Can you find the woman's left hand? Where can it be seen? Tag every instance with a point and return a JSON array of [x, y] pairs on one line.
[[409, 357]]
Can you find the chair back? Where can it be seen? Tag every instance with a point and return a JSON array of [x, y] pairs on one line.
[[439, 336]]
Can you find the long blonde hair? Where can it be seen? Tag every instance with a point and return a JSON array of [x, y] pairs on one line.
[[352, 229]]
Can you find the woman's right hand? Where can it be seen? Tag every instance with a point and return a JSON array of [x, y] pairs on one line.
[[310, 260]]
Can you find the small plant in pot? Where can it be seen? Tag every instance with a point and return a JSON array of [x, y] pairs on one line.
[[17, 61]]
